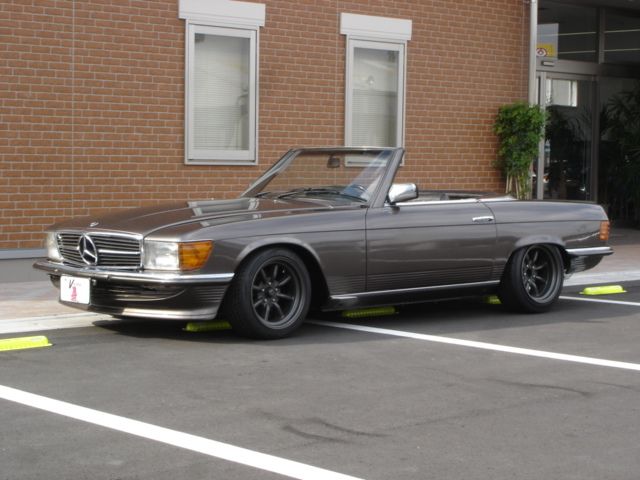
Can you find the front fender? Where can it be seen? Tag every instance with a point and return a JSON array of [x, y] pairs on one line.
[[274, 242]]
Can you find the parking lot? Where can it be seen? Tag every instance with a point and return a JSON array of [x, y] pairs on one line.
[[460, 389]]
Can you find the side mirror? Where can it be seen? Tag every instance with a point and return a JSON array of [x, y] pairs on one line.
[[402, 192]]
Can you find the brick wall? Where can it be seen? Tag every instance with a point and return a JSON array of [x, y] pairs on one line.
[[92, 99]]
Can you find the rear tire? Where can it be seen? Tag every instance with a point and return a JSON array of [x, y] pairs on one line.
[[532, 279], [270, 295]]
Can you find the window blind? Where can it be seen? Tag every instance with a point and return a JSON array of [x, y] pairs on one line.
[[221, 92]]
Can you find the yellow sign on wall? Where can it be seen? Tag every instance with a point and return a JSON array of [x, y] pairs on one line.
[[546, 50]]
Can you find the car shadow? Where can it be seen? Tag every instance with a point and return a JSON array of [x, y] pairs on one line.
[[459, 316]]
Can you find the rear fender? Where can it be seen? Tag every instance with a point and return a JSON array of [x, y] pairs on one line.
[[547, 240]]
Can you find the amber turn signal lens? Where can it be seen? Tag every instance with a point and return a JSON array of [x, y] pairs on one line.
[[605, 228], [193, 255]]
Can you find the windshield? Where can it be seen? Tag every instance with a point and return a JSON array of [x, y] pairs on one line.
[[350, 175]]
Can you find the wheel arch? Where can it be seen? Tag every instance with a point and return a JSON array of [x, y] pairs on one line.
[[543, 240], [319, 287]]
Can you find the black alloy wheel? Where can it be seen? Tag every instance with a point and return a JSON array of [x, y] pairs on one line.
[[270, 295], [533, 278], [276, 290]]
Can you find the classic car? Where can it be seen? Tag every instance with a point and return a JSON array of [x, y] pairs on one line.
[[323, 228]]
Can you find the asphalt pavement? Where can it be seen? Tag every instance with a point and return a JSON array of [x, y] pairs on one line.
[[448, 390]]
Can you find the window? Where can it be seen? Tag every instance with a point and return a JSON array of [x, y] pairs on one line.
[[567, 32], [622, 38], [221, 103], [561, 92], [375, 94], [375, 79], [221, 81]]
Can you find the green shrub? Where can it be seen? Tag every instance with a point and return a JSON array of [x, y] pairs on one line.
[[520, 128]]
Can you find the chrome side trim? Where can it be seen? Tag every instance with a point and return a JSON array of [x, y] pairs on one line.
[[582, 252], [418, 202], [432, 202], [415, 290], [136, 277]]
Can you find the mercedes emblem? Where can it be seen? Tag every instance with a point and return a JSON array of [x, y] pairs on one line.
[[88, 250]]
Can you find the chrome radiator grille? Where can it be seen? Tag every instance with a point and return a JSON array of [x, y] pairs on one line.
[[119, 251]]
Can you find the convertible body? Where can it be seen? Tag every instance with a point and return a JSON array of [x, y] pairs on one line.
[[323, 228]]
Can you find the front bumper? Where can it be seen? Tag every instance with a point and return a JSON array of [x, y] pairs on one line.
[[171, 296]]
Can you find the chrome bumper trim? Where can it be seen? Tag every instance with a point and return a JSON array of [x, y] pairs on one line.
[[416, 289], [53, 268], [584, 252]]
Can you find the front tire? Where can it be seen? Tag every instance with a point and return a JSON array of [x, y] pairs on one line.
[[533, 278], [270, 295]]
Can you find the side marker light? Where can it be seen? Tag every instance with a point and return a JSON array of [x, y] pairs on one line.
[[605, 230]]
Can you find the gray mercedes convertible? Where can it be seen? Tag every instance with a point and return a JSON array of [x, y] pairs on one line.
[[323, 228]]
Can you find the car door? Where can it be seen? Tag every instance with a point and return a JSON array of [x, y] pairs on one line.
[[428, 244]]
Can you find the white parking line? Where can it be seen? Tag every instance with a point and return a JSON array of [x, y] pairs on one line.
[[481, 345], [243, 456], [601, 300]]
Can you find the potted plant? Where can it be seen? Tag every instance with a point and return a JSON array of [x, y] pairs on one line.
[[520, 128]]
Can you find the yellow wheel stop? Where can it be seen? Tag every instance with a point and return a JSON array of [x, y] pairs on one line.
[[213, 326], [369, 312], [492, 300], [603, 290], [22, 343]]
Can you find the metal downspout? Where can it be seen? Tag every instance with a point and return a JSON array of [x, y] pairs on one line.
[[533, 65], [533, 45]]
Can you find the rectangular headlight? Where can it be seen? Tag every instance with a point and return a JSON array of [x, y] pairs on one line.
[[176, 255], [51, 245], [161, 255]]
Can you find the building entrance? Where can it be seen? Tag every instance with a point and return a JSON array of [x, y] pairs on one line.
[[588, 81], [567, 158]]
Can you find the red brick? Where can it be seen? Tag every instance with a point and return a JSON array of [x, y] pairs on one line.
[[93, 107]]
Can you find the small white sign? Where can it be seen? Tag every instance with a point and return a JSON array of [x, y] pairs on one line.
[[75, 290]]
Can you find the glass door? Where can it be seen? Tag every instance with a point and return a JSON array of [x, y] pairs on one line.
[[567, 154]]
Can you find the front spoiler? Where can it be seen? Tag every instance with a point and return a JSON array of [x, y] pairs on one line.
[[168, 296]]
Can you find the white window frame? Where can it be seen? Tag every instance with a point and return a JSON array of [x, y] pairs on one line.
[[195, 156], [352, 44], [384, 33]]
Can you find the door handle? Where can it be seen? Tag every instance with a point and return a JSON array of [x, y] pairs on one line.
[[487, 219]]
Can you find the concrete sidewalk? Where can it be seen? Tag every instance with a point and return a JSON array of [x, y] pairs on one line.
[[38, 300]]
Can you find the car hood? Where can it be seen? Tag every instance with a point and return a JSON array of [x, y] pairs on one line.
[[144, 221]]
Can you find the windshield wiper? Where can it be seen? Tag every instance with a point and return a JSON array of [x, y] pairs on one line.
[[319, 191], [305, 190]]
